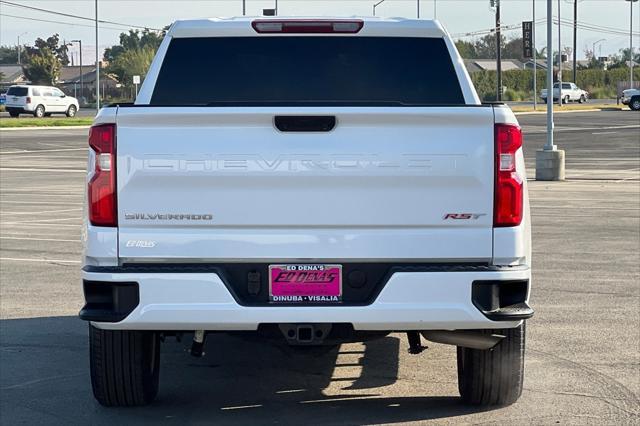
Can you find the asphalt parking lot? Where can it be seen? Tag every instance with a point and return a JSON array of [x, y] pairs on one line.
[[583, 350]]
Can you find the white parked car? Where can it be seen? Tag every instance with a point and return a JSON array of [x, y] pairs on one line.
[[631, 97], [570, 93], [351, 189], [39, 101]]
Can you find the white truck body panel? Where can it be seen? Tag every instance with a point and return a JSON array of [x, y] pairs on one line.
[[377, 188]]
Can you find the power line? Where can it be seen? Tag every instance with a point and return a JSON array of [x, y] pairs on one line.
[[58, 22], [68, 15]]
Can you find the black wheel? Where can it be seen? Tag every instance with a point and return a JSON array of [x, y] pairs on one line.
[[71, 112], [635, 103], [14, 114], [39, 111], [495, 376], [582, 99], [567, 99], [125, 366]]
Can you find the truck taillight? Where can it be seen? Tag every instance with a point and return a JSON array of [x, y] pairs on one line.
[[102, 186], [508, 202], [28, 99]]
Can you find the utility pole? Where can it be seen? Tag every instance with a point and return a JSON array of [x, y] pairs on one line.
[[550, 160], [418, 9], [535, 59], [97, 63], [498, 53], [244, 7], [575, 40], [276, 7], [559, 61]]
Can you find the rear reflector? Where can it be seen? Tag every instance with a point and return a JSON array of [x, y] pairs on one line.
[[302, 26], [508, 202], [101, 190]]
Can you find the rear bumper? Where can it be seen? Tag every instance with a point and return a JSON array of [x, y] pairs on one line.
[[408, 301], [19, 109]]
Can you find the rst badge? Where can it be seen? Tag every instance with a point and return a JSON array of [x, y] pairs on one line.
[[463, 216]]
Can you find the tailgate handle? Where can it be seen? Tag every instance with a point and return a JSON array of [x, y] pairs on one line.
[[305, 123]]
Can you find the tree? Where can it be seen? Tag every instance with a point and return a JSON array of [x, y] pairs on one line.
[[131, 62], [8, 55], [42, 67], [61, 52], [466, 49], [133, 55], [133, 40]]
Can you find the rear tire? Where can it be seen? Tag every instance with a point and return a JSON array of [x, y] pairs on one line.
[[125, 366], [39, 111], [582, 99], [495, 376], [635, 103], [71, 112], [567, 99]]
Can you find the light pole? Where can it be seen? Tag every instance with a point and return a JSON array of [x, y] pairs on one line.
[[498, 51], [535, 59], [418, 8], [20, 48], [575, 41], [631, 2], [81, 75], [97, 64], [594, 46], [559, 61], [550, 160], [435, 9], [376, 5]]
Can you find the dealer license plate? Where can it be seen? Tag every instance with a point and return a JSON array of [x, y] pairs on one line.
[[305, 283]]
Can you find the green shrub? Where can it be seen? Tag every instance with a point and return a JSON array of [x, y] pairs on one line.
[[600, 84]]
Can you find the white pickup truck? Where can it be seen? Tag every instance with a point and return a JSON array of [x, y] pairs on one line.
[[570, 93], [322, 180]]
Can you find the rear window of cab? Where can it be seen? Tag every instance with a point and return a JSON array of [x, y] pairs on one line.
[[307, 71]]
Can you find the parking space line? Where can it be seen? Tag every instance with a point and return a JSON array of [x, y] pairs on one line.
[[25, 151], [40, 239], [40, 203], [41, 212], [18, 259], [18, 169], [42, 221]]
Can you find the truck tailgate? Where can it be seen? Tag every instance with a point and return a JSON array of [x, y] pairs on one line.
[[224, 184]]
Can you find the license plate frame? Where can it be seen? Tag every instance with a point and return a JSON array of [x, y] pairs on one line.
[[305, 283]]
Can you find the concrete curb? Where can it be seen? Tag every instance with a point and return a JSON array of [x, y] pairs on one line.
[[14, 129], [568, 112]]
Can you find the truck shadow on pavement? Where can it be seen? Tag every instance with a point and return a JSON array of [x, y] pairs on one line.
[[44, 379]]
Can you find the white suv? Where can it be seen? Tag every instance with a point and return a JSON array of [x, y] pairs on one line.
[[40, 101]]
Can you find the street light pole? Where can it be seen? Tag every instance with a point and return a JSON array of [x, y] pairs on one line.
[[244, 7], [559, 61], [575, 40], [20, 48], [550, 159], [97, 63], [435, 9], [549, 146], [631, 42], [81, 74], [535, 59], [594, 47], [376, 5], [498, 52], [418, 9]]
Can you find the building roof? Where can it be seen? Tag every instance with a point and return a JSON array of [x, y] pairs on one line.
[[474, 65], [12, 74]]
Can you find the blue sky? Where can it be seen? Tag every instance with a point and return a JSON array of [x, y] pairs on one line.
[[459, 16]]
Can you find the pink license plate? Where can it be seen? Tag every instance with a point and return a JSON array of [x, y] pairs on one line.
[[305, 283]]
